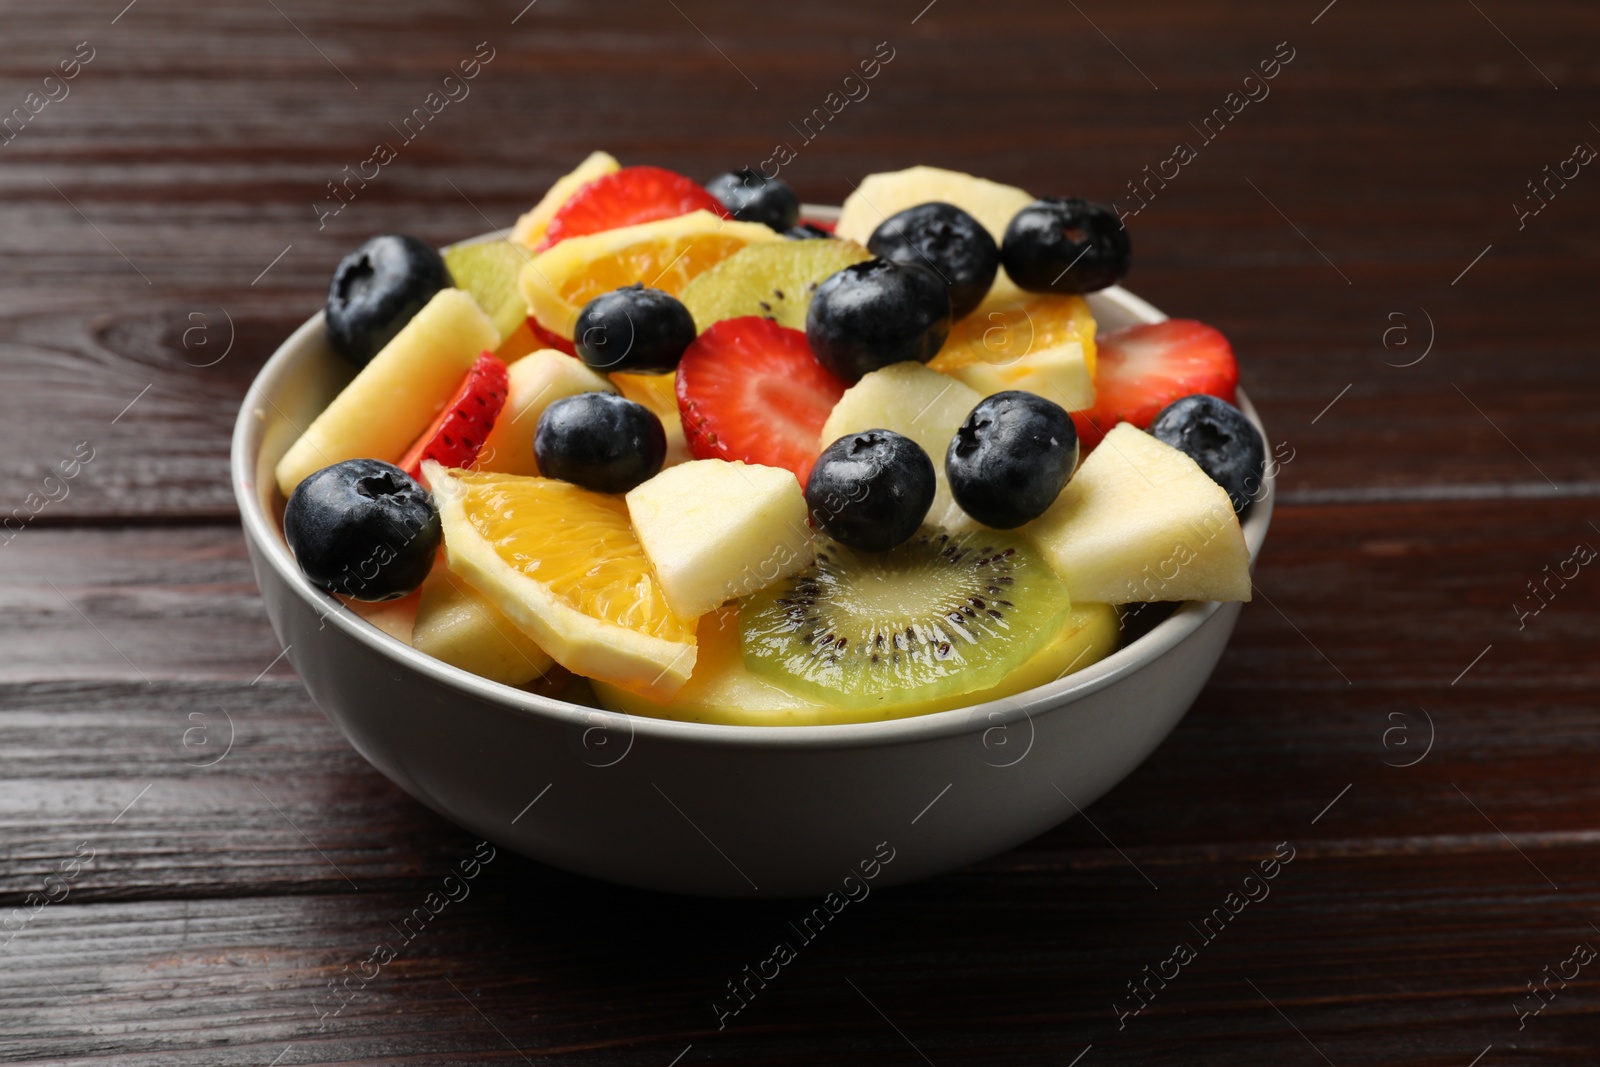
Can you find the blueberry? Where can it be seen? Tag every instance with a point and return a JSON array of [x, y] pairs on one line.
[[1218, 437], [751, 196], [633, 329], [363, 528], [1065, 245], [871, 490], [1009, 460], [376, 291], [599, 441], [872, 314], [946, 240], [806, 231]]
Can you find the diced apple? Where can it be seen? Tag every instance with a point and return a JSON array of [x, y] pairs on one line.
[[535, 381], [1140, 521], [714, 530], [456, 624], [397, 395], [919, 403], [1059, 373]]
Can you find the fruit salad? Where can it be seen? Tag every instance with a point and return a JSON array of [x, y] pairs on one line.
[[673, 450]]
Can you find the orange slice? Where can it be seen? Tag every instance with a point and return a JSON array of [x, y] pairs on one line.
[[563, 564], [1002, 331], [663, 255]]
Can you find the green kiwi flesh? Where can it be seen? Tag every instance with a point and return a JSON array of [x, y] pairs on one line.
[[941, 615]]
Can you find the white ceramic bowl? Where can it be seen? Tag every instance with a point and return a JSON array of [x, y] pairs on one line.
[[726, 811]]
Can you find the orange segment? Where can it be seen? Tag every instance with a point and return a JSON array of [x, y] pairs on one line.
[[664, 254], [563, 564], [1003, 331]]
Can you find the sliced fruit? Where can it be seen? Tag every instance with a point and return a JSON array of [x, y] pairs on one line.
[[774, 279], [715, 530], [1141, 369], [1005, 332], [458, 433], [551, 340], [488, 270], [723, 690], [749, 389], [1140, 521], [533, 383], [881, 195], [530, 228], [397, 618], [522, 341], [942, 615], [457, 624], [394, 397], [562, 563], [922, 404], [663, 255], [627, 197], [658, 392]]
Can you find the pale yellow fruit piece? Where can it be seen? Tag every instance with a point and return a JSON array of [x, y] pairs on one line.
[[722, 689], [919, 403], [665, 254], [1059, 374], [534, 382], [563, 564], [658, 392], [457, 624], [1140, 521], [714, 530], [394, 617], [531, 226], [889, 193], [397, 395]]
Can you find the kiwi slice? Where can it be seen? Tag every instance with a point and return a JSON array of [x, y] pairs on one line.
[[489, 271], [941, 615], [772, 279]]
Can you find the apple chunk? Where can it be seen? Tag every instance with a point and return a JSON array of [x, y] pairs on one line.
[[714, 530], [1140, 521]]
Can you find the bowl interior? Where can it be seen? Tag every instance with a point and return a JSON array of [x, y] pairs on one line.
[[299, 380]]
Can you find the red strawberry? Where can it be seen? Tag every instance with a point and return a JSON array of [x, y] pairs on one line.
[[550, 340], [751, 390], [1141, 369], [625, 198], [819, 224], [460, 430]]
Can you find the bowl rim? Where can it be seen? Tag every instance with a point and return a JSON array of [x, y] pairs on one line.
[[261, 532]]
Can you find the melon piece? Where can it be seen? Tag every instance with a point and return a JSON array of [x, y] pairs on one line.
[[882, 195], [918, 403], [531, 226], [397, 395], [714, 530], [535, 381], [457, 624], [1140, 521]]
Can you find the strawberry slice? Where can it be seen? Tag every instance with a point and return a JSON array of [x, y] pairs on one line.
[[550, 340], [456, 435], [1141, 369], [751, 390], [625, 198]]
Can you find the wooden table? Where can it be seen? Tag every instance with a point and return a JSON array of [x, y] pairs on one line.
[[1396, 707]]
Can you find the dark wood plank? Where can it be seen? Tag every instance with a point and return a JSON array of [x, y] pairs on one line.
[[1374, 960], [1350, 147]]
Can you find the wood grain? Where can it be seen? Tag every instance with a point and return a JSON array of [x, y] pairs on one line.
[[159, 237]]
